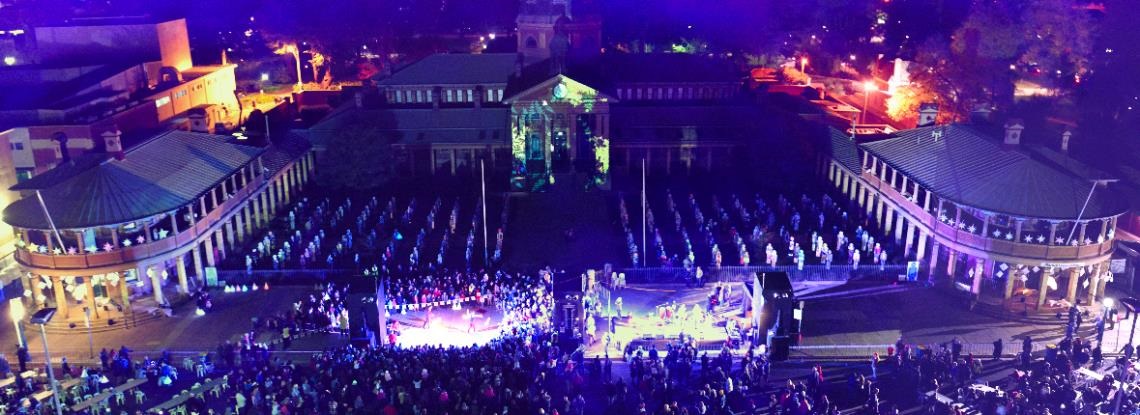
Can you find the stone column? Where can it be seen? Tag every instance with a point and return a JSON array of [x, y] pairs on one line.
[[195, 255], [909, 237], [1041, 293], [220, 243], [180, 268], [1074, 276], [155, 284], [1094, 284], [239, 226], [920, 249], [229, 231], [934, 248], [1012, 275], [952, 263], [61, 301], [976, 286], [899, 222], [209, 247], [33, 283], [90, 300], [125, 291], [1081, 233], [1100, 289], [273, 201], [888, 214]]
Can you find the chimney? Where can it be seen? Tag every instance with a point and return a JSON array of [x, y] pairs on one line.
[[436, 97], [1065, 137], [64, 154], [478, 96], [113, 143], [1013, 129], [927, 114]]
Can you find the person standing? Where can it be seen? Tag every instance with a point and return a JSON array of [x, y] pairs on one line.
[[997, 349]]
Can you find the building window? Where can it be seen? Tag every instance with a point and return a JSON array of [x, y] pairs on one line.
[[449, 95], [638, 93], [159, 103], [470, 98], [531, 43], [429, 96], [18, 146], [499, 93], [669, 93]]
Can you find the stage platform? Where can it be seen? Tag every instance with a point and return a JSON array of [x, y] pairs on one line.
[[449, 327], [642, 324]]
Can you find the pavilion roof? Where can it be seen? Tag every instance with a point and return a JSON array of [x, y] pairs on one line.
[[965, 166], [169, 171]]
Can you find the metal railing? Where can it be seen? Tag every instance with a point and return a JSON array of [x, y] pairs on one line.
[[743, 273]]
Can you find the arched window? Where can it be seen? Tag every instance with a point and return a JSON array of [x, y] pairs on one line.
[[531, 43]]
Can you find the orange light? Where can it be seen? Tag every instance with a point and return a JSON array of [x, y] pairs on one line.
[[803, 61], [870, 86]]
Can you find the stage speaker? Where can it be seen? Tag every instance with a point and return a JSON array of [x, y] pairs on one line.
[[781, 348]]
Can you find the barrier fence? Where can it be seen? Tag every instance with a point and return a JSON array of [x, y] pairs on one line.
[[890, 272]]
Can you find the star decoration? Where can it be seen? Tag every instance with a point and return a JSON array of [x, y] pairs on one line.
[[127, 242], [972, 229], [944, 218], [997, 234], [961, 225], [56, 251], [33, 247], [1009, 236], [72, 251], [108, 247], [141, 239], [1088, 241], [1036, 269], [1040, 239]]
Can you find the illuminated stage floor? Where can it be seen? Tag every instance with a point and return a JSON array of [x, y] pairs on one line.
[[449, 328], [642, 301]]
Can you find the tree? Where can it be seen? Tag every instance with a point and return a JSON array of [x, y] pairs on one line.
[[362, 156], [338, 30]]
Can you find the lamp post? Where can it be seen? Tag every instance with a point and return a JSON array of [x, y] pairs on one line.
[[42, 318], [803, 65], [17, 311], [868, 88]]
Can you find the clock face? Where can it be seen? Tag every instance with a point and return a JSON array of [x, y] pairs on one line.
[[559, 91]]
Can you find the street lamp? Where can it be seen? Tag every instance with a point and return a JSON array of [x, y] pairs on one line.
[[868, 88], [17, 311], [803, 65], [43, 317]]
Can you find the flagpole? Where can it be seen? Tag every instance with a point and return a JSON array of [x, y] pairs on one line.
[[644, 219], [483, 182], [50, 222]]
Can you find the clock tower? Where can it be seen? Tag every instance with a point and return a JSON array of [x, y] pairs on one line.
[[575, 25]]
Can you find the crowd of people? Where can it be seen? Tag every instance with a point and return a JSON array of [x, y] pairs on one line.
[[708, 230], [375, 236]]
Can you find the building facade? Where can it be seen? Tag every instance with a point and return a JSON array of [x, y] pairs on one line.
[[983, 212], [127, 229]]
